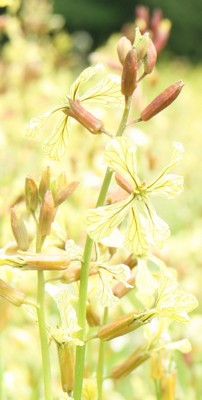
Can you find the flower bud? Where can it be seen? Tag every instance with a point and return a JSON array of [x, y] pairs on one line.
[[92, 317], [123, 183], [123, 47], [19, 230], [72, 274], [44, 183], [120, 290], [31, 194], [49, 262], [163, 100], [66, 354], [129, 74], [142, 46], [156, 19], [150, 58], [78, 112], [47, 213], [11, 294], [64, 193], [118, 327], [127, 366], [162, 35]]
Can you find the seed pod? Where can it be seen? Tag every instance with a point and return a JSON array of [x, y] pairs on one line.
[[123, 47], [19, 230], [163, 100], [11, 294], [47, 213], [150, 58], [66, 354], [44, 183], [123, 183], [46, 262], [93, 124], [129, 74], [64, 193], [31, 194], [127, 366]]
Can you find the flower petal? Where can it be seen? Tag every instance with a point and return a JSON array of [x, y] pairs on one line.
[[169, 186], [56, 144], [85, 75], [107, 92], [121, 157], [158, 230], [36, 124], [136, 235]]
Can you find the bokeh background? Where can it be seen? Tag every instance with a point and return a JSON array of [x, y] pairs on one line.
[[44, 46]]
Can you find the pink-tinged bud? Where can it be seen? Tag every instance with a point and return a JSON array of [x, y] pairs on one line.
[[92, 317], [49, 262], [19, 230], [11, 294], [156, 19], [78, 112], [123, 183], [131, 261], [66, 354], [163, 100], [142, 17], [31, 194], [120, 290], [162, 35], [127, 366], [123, 47], [47, 214], [44, 183], [150, 58], [63, 193], [129, 74]]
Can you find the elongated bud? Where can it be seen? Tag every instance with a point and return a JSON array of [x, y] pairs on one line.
[[31, 194], [72, 274], [11, 294], [47, 213], [93, 124], [44, 183], [142, 17], [92, 317], [46, 262], [163, 100], [150, 58], [123, 183], [156, 19], [168, 385], [66, 354], [64, 193], [120, 290], [118, 327], [156, 366], [142, 46], [127, 366], [162, 35], [123, 47], [19, 230], [129, 74]]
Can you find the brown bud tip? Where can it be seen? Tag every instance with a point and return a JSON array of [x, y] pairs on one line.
[[31, 194], [47, 213], [64, 193], [123, 183], [163, 100], [19, 230], [123, 47], [150, 58], [85, 118], [129, 74], [44, 183]]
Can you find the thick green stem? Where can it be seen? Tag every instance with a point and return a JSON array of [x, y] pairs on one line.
[[80, 352], [157, 389], [43, 333], [100, 365]]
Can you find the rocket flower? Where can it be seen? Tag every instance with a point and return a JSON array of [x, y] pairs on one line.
[[106, 92], [143, 227]]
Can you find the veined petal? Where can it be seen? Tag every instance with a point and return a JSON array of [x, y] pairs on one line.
[[55, 146], [106, 92], [105, 296], [136, 234], [120, 272], [158, 230], [145, 282], [120, 155], [85, 75], [101, 221], [169, 186], [36, 124]]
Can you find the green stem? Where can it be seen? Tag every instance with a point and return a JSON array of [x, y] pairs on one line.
[[157, 389], [1, 367], [100, 365], [43, 334], [80, 351]]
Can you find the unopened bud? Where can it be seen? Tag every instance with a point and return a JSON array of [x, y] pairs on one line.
[[93, 124], [44, 183], [66, 354], [64, 193], [120, 290], [118, 327], [11, 294], [129, 74], [162, 35], [142, 46], [49, 262], [163, 100], [19, 230], [72, 274], [156, 19], [142, 14], [132, 362], [31, 194], [123, 47], [123, 183], [150, 58], [92, 317], [47, 213]]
